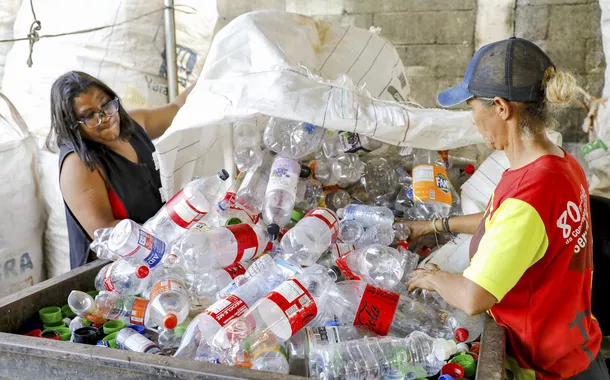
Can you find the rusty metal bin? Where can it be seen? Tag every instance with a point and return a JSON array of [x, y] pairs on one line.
[[23, 357]]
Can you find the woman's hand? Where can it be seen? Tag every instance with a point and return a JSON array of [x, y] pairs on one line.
[[418, 228], [423, 278]]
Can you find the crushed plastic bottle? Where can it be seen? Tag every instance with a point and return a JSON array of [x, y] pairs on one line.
[[304, 243], [169, 300], [350, 231], [187, 207], [378, 184], [376, 235], [293, 139], [204, 285], [342, 170], [127, 275], [378, 265], [280, 195], [416, 356], [335, 199], [247, 145], [411, 259]]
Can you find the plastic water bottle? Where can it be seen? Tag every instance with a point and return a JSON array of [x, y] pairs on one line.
[[171, 338], [308, 194], [127, 275], [129, 309], [280, 195], [383, 311], [368, 216], [291, 138], [335, 199], [247, 145], [338, 250], [379, 179], [281, 313], [350, 231], [466, 328], [221, 246], [131, 340], [203, 327], [185, 208], [169, 300], [415, 356], [342, 170], [269, 355], [204, 285], [228, 212], [262, 264], [378, 265], [431, 183], [83, 305], [376, 235], [312, 235], [411, 259]]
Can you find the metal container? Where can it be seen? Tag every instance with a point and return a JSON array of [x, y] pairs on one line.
[[23, 357]]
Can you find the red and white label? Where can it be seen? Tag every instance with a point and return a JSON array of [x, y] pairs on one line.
[[329, 218], [181, 211], [226, 309], [247, 241], [296, 303], [138, 311], [166, 285], [342, 264], [108, 277], [234, 270], [376, 309]]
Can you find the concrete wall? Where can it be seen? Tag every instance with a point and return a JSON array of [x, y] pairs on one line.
[[436, 38]]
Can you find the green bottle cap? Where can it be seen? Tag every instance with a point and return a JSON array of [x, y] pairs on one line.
[[233, 221], [467, 362], [50, 315], [67, 312], [113, 326], [64, 332], [111, 339], [296, 215]]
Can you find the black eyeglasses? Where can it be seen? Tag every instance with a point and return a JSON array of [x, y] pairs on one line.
[[95, 119]]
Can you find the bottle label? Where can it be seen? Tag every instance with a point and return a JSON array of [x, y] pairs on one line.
[[247, 241], [226, 309], [328, 218], [283, 178], [342, 264], [138, 343], [150, 249], [181, 211], [167, 285], [234, 270], [430, 183], [376, 309], [350, 142], [322, 336], [138, 311], [296, 303], [406, 151], [108, 277]]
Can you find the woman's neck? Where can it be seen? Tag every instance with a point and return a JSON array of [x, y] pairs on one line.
[[521, 152]]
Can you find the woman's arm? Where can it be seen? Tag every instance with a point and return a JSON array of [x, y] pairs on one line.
[[86, 195], [466, 224], [155, 121]]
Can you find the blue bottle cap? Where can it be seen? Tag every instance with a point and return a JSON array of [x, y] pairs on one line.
[[138, 328]]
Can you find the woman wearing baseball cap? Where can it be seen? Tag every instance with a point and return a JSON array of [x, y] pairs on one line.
[[531, 253]]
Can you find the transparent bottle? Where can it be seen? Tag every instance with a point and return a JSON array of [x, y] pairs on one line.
[[415, 356], [378, 265], [368, 216], [291, 138], [336, 199], [129, 309], [127, 275], [350, 231], [246, 145], [185, 208], [204, 285], [308, 195], [304, 243], [270, 355], [280, 195], [376, 235], [466, 328], [131, 340], [169, 300], [343, 170], [251, 193], [83, 305]]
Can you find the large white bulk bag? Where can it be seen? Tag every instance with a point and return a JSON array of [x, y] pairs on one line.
[[21, 224], [8, 13], [129, 56]]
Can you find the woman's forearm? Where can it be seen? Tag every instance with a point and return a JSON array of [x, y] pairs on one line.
[[466, 224]]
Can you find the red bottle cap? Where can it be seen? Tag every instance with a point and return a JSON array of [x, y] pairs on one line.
[[35, 333], [453, 369], [461, 334], [404, 244], [170, 321], [142, 272], [469, 169]]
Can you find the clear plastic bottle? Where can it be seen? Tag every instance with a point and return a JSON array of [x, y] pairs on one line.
[[358, 303], [312, 235], [263, 263], [416, 356], [350, 231], [281, 313], [169, 301], [246, 145], [129, 309], [376, 235], [291, 138], [378, 265], [270, 355], [185, 208], [128, 275], [281, 193], [203, 327], [368, 216], [411, 259], [342, 170], [251, 193], [221, 246], [83, 305], [308, 195], [131, 340], [431, 183], [466, 328], [379, 179], [205, 284], [338, 250], [227, 211], [335, 199]]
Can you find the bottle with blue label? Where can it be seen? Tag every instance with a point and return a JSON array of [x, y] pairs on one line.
[[129, 239]]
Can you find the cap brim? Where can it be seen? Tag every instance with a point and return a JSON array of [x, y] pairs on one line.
[[454, 96]]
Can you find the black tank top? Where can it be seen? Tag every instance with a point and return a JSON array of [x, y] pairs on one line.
[[136, 185]]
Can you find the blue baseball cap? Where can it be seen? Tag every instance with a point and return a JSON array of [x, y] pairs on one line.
[[513, 69]]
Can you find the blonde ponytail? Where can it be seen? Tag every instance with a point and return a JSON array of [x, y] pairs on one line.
[[560, 87]]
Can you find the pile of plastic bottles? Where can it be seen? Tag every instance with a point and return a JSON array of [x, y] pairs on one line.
[[298, 268]]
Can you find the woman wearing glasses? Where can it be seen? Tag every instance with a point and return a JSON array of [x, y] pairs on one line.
[[106, 168]]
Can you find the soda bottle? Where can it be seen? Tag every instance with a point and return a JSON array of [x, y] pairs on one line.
[[416, 356], [246, 145], [431, 184], [131, 340], [127, 275], [291, 138], [185, 208], [378, 265], [169, 300], [312, 235], [280, 194], [251, 193]]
